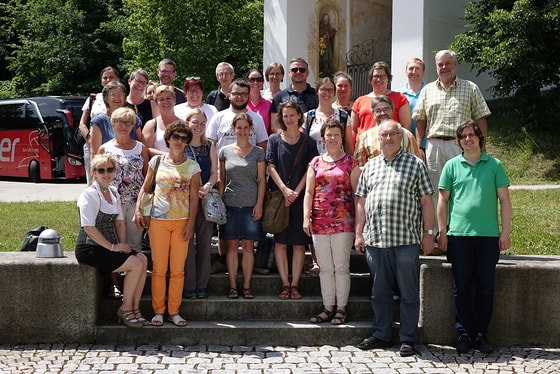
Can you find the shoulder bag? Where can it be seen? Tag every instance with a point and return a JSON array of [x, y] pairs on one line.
[[148, 197], [276, 215]]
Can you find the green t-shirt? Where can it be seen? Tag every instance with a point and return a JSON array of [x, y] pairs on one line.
[[473, 200]]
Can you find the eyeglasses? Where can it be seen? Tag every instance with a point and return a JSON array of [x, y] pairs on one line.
[[224, 74], [194, 91], [327, 90], [240, 94], [298, 70], [184, 139], [192, 78], [116, 95], [253, 80], [389, 134], [140, 82], [168, 72], [197, 122], [102, 170], [386, 110], [379, 77]]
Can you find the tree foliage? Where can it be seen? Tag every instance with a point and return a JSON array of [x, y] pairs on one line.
[[516, 41], [61, 45], [196, 34]]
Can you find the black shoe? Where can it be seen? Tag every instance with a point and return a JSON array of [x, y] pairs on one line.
[[481, 343], [373, 343], [407, 349], [464, 343]]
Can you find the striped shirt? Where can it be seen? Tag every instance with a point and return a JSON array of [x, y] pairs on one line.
[[368, 145], [445, 109], [393, 190]]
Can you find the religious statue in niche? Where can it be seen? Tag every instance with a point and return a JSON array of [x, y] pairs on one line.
[[326, 46]]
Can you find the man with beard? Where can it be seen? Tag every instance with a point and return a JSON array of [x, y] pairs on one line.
[[299, 91], [221, 133]]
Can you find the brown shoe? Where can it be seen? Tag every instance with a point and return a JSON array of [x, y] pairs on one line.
[[294, 293]]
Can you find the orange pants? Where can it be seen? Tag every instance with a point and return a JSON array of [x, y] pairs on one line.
[[169, 251]]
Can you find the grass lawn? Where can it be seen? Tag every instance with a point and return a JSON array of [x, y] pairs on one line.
[[536, 228]]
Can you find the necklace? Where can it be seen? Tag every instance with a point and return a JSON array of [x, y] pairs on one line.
[[104, 189]]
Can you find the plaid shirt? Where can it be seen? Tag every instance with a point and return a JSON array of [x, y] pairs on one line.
[[445, 109], [393, 190]]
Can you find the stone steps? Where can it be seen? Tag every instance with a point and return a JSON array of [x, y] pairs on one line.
[[264, 320]]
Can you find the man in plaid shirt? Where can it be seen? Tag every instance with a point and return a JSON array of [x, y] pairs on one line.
[[393, 198], [442, 106]]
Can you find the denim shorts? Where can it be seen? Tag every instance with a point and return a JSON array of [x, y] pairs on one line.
[[240, 225]]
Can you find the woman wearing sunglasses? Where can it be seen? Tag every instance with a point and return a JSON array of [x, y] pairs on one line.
[[256, 102], [173, 214], [102, 240]]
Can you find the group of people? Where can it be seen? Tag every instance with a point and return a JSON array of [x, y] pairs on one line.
[[359, 174]]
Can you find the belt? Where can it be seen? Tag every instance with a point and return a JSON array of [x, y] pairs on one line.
[[446, 138]]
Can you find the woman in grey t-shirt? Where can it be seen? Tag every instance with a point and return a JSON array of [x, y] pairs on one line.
[[242, 186]]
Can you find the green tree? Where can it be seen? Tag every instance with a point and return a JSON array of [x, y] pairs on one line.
[[196, 34], [62, 44], [517, 42]]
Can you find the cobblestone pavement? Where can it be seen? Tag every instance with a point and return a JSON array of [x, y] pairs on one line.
[[100, 359]]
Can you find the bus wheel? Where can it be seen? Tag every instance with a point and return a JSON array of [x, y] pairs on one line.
[[34, 173]]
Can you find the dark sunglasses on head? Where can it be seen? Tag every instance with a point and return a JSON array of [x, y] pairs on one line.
[[102, 170], [253, 80], [184, 139], [298, 70]]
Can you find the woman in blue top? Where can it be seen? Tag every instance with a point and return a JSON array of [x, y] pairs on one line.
[[202, 150]]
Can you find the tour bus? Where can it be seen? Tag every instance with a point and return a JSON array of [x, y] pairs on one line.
[[37, 138]]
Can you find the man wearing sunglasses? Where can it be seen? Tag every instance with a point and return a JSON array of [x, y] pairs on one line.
[[299, 91]]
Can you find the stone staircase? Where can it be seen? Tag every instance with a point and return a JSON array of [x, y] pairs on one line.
[[264, 320]]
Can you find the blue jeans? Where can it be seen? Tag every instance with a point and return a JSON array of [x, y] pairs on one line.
[[387, 264], [473, 258]]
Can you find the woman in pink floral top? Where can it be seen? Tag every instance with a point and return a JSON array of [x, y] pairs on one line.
[[328, 217]]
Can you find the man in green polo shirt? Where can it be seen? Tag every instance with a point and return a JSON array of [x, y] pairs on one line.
[[470, 187]]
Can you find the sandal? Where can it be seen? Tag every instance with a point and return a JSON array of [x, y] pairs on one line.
[[294, 293], [339, 317], [248, 293], [157, 320], [115, 293], [233, 294], [140, 318], [318, 318], [285, 293], [177, 320], [127, 318], [315, 269]]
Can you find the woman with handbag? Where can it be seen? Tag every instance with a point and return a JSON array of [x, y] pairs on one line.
[[328, 217], [175, 206], [288, 154], [202, 150], [102, 239], [242, 185]]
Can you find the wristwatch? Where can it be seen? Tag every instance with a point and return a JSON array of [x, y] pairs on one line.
[[429, 232]]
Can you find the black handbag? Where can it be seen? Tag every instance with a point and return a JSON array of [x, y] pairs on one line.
[[31, 239]]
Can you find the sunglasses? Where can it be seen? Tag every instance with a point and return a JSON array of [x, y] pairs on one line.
[[184, 139], [298, 70], [102, 170], [192, 78], [253, 80]]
